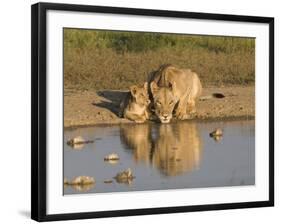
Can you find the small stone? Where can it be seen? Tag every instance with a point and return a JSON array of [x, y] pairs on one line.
[[108, 181], [125, 176], [218, 95], [82, 180], [217, 132], [111, 157], [76, 140]]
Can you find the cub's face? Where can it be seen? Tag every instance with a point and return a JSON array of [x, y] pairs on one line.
[[164, 102], [140, 94]]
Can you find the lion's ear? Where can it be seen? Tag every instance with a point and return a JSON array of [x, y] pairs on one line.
[[133, 89], [170, 85], [154, 88], [145, 85], [173, 86]]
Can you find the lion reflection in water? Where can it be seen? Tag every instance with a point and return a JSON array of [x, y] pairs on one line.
[[172, 148]]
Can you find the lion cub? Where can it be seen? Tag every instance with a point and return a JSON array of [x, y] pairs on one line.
[[135, 105]]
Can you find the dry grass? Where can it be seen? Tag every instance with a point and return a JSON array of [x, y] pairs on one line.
[[92, 62]]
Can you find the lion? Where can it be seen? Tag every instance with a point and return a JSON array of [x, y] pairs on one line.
[[177, 148], [172, 89], [173, 148], [135, 105], [137, 138]]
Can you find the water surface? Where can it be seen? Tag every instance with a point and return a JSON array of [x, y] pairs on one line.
[[163, 156]]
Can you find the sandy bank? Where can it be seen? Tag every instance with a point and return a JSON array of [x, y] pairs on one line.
[[90, 107]]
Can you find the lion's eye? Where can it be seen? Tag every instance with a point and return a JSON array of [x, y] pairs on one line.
[[171, 103], [159, 103]]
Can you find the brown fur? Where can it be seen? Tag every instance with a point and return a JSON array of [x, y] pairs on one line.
[[135, 105], [173, 88]]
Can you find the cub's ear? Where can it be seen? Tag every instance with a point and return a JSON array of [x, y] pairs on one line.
[[145, 85], [154, 88], [133, 89]]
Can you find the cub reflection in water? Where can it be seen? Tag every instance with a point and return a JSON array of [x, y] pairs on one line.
[[137, 137], [172, 148]]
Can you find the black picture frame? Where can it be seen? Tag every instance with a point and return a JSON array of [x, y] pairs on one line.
[[38, 108]]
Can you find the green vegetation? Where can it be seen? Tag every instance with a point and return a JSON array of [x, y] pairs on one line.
[[115, 60]]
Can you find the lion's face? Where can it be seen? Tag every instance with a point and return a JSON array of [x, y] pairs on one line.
[[140, 94], [164, 102]]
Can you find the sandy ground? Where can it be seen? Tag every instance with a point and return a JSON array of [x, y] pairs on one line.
[[90, 107]]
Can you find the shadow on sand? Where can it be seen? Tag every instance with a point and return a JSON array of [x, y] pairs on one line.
[[111, 101]]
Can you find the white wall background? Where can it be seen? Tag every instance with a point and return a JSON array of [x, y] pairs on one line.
[[15, 109]]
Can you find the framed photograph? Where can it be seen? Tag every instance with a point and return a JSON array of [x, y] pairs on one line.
[[140, 111]]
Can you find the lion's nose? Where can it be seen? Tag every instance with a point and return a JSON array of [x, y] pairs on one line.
[[165, 116]]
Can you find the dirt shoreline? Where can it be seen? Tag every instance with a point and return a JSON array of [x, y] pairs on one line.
[[86, 108]]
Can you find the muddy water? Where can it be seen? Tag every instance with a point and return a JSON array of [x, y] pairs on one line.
[[163, 156]]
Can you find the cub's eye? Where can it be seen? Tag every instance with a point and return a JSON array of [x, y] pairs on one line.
[[171, 103], [159, 103]]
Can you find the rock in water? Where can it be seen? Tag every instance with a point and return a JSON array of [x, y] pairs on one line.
[[111, 157], [76, 140], [107, 181], [82, 180], [125, 176], [216, 133]]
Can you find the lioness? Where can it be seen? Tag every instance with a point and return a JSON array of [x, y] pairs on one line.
[[135, 105], [173, 148], [173, 88], [177, 148]]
